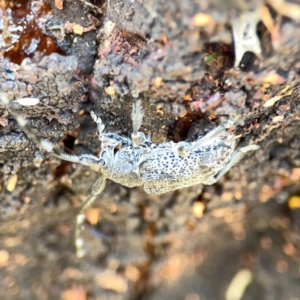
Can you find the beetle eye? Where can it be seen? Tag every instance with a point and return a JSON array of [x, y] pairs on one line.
[[103, 161]]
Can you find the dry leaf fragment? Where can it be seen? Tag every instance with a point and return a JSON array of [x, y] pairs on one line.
[[272, 101], [75, 293], [109, 280], [198, 209], [294, 202], [239, 284], [272, 78], [27, 101], [132, 273], [92, 215], [272, 27], [283, 93], [4, 257], [12, 182], [277, 119], [288, 9], [59, 4], [78, 29], [158, 81], [110, 90], [201, 20]]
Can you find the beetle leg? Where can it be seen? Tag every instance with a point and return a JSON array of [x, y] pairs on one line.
[[85, 159], [97, 188], [184, 149], [235, 158]]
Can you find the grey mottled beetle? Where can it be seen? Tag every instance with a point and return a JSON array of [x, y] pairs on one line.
[[139, 162]]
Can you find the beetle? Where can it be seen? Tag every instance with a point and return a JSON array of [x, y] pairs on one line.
[[137, 161]]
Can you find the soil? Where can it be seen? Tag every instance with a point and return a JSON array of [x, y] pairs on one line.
[[242, 233]]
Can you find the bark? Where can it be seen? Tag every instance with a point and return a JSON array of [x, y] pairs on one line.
[[178, 58]]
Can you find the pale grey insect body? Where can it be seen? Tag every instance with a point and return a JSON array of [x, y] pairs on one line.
[[161, 168], [166, 167], [139, 162]]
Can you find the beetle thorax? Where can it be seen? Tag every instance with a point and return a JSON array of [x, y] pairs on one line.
[[123, 165]]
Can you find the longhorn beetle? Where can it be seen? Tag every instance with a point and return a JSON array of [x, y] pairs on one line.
[[136, 161]]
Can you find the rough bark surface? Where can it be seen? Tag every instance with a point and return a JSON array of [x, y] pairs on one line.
[[140, 246]]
